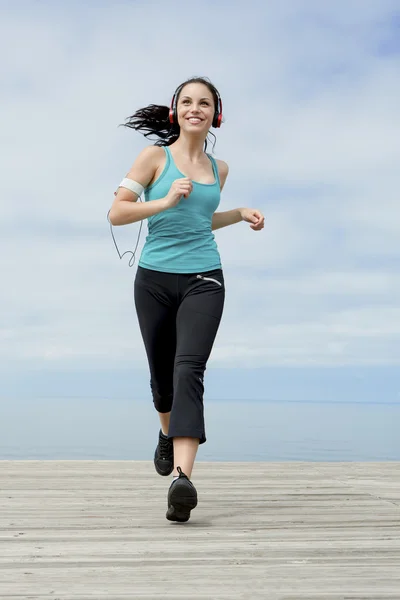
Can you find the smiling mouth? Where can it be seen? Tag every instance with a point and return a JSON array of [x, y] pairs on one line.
[[195, 120]]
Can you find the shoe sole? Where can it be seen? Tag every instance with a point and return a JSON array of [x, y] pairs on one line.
[[163, 473], [182, 500]]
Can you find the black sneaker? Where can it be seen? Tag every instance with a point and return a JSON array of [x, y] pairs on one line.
[[182, 498], [164, 455]]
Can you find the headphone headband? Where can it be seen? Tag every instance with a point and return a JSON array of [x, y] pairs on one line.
[[173, 117]]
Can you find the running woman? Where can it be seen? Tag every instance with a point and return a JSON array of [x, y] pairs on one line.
[[179, 288]]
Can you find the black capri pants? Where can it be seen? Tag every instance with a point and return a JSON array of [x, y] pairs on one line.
[[179, 316]]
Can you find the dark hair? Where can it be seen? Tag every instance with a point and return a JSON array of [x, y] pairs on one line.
[[154, 118]]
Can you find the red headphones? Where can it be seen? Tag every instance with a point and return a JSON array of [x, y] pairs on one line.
[[173, 118]]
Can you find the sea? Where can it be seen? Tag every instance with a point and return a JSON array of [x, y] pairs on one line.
[[239, 430]]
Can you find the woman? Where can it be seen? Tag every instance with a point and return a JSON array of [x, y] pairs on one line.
[[179, 286]]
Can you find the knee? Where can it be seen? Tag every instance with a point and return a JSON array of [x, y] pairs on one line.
[[162, 399], [188, 365], [188, 369]]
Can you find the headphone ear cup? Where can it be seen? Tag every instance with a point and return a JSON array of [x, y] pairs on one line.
[[217, 120], [172, 110]]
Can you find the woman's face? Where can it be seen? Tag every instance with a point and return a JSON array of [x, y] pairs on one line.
[[195, 108]]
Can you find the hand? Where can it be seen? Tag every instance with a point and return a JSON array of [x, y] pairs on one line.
[[180, 187], [250, 215]]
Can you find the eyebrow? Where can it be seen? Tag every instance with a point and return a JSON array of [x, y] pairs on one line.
[[205, 98]]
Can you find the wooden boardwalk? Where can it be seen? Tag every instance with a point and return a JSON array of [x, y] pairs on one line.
[[278, 531]]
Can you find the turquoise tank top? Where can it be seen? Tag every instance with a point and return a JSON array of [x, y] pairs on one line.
[[180, 239]]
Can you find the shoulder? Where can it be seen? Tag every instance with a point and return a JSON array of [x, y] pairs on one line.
[[148, 160], [223, 170], [151, 153], [223, 167], [146, 164]]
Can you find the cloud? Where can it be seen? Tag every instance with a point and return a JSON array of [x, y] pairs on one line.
[[311, 114]]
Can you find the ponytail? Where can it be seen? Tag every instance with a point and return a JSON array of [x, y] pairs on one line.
[[154, 120]]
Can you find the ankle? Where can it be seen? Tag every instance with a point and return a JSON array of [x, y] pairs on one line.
[[178, 472]]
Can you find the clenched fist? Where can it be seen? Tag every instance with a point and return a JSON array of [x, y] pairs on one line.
[[180, 187]]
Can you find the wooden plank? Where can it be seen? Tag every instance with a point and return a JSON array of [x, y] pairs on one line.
[[277, 531]]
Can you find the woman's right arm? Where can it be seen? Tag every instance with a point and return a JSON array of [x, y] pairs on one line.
[[125, 209]]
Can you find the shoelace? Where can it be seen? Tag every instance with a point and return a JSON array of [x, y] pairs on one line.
[[182, 474], [165, 445]]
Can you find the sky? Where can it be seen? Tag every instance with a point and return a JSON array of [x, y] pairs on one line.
[[311, 134]]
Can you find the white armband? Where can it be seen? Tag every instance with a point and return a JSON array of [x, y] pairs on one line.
[[131, 185]]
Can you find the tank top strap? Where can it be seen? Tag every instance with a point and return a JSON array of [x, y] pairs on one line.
[[215, 169], [170, 165], [168, 155]]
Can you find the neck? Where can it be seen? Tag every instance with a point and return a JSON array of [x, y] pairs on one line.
[[192, 147]]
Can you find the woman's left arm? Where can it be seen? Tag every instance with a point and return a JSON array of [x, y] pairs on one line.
[[230, 217]]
